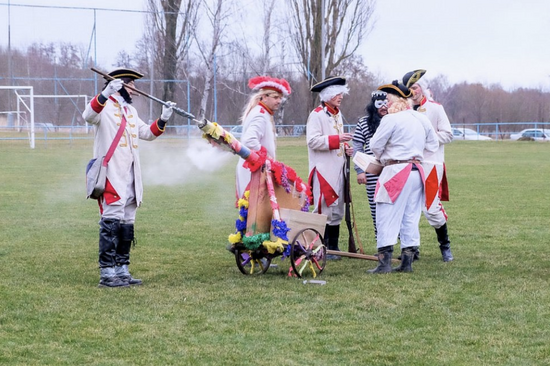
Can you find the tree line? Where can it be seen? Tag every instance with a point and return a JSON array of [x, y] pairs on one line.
[[196, 59]]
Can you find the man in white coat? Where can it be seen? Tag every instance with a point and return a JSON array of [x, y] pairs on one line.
[[399, 143], [327, 144], [434, 163], [258, 124], [124, 187]]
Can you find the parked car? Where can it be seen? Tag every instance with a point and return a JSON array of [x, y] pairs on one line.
[[468, 134], [237, 131], [537, 134]]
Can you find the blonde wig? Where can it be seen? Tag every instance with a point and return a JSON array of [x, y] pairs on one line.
[[398, 104]]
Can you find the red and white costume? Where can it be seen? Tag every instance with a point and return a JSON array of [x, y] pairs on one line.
[[258, 131], [326, 162], [401, 137], [124, 185], [434, 163]]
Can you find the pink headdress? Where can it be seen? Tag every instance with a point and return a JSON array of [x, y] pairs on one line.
[[265, 82]]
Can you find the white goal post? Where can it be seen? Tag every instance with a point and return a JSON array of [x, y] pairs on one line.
[[25, 103], [27, 106]]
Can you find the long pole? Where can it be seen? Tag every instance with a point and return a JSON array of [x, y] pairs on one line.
[[179, 111]]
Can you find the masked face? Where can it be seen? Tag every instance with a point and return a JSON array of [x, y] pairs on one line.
[[381, 107]]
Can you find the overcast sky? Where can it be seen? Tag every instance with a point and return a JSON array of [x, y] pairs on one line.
[[487, 41]]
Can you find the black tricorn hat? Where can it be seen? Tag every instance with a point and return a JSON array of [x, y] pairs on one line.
[[331, 80], [396, 88], [125, 73], [412, 77]]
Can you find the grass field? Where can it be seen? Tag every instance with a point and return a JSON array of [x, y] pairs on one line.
[[488, 307]]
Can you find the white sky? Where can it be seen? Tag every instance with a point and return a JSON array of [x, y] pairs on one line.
[[487, 41]]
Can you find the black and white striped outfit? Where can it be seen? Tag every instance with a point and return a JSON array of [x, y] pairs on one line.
[[361, 142]]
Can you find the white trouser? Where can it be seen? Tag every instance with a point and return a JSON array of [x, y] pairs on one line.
[[123, 211], [401, 218], [335, 212]]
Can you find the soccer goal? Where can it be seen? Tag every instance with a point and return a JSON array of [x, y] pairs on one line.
[[24, 113]]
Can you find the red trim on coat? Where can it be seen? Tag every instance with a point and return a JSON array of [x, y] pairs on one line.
[[155, 129], [333, 142], [325, 188], [431, 187], [331, 110], [318, 109], [444, 187], [96, 106], [267, 109], [110, 193]]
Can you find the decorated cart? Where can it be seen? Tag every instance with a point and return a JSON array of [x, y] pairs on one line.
[[274, 218]]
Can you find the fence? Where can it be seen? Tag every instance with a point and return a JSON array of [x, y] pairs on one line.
[[48, 131]]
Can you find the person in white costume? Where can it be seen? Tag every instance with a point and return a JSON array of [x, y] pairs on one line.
[[258, 124], [327, 144], [399, 143], [124, 188], [434, 163]]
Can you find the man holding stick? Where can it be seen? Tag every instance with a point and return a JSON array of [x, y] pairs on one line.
[[327, 145], [114, 117]]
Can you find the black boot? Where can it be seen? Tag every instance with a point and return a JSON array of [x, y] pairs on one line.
[[407, 258], [416, 255], [444, 243], [125, 240], [384, 260], [108, 241], [332, 235]]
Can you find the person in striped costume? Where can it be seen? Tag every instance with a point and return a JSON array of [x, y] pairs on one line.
[[365, 129]]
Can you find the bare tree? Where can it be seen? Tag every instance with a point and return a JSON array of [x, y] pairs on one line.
[[172, 25], [218, 15], [345, 24]]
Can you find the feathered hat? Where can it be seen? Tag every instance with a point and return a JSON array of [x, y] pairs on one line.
[[266, 82]]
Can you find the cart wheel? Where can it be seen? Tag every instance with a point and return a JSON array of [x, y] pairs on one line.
[[308, 253], [251, 262]]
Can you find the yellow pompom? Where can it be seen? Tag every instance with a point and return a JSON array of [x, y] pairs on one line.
[[235, 238], [243, 202], [275, 246]]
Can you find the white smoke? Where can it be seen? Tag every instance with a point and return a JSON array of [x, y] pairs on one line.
[[180, 162]]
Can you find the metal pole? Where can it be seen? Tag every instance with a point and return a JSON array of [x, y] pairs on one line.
[[151, 87], [95, 52], [10, 71], [215, 93], [323, 36]]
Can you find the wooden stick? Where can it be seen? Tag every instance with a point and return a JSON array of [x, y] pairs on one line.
[[357, 255]]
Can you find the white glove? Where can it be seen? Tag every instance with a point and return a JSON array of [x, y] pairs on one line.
[[113, 87], [167, 111]]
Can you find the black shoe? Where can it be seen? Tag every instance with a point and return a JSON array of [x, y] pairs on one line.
[[112, 282], [447, 255]]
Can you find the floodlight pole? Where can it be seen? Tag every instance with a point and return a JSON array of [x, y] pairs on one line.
[[323, 36]]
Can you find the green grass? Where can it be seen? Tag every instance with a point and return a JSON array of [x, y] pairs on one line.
[[488, 307]]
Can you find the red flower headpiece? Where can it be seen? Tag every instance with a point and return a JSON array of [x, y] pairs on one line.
[[266, 82]]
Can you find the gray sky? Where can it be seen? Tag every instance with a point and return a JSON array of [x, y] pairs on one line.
[[486, 41]]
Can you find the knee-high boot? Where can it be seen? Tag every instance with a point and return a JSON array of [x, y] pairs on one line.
[[125, 240], [332, 235], [444, 243], [384, 260], [108, 241], [407, 258]]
